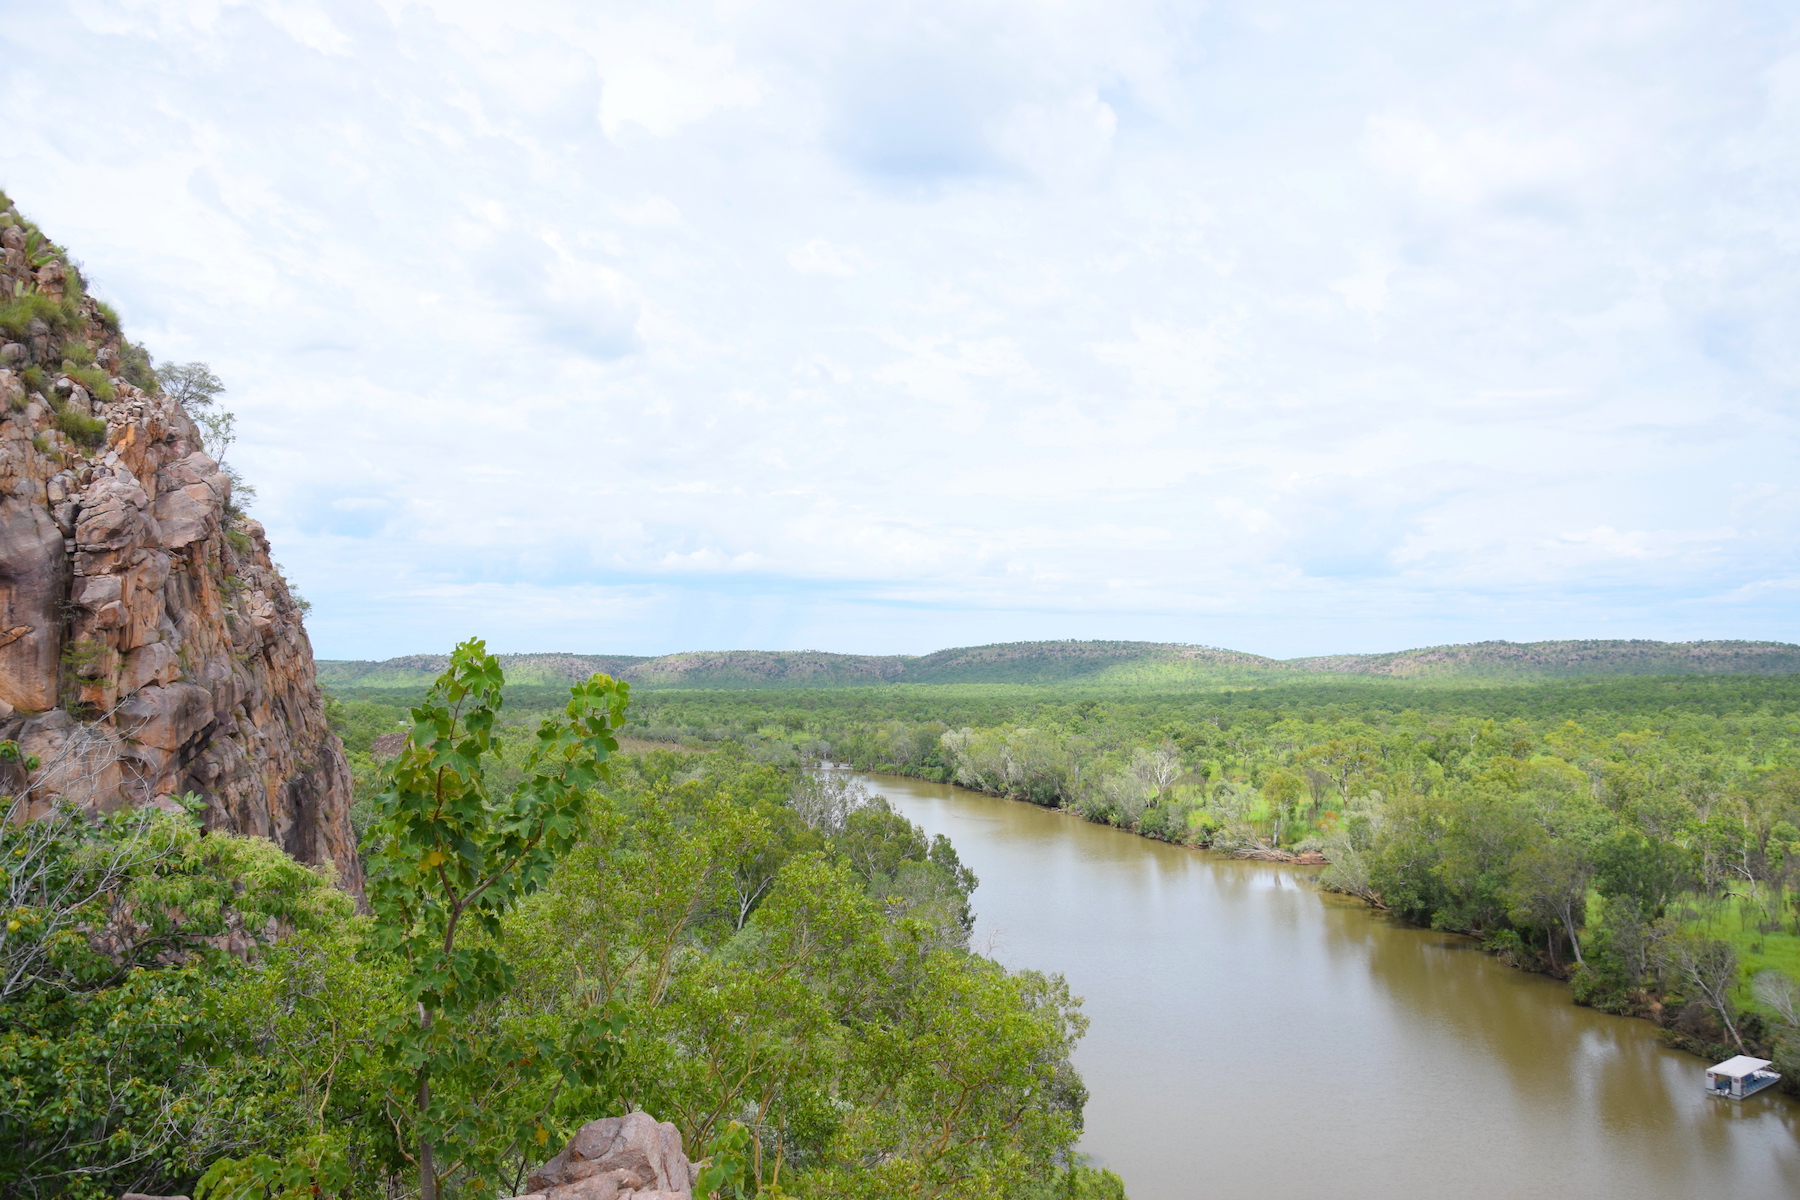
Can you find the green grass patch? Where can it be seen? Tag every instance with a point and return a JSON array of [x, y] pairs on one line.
[[1759, 933], [17, 314], [137, 368], [79, 426], [97, 382]]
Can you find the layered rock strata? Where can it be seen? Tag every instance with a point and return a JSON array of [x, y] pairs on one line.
[[149, 648]]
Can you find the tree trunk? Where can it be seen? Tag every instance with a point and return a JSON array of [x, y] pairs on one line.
[[1575, 942], [427, 1169]]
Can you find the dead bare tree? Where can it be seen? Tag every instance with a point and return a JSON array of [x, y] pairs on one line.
[[1780, 994]]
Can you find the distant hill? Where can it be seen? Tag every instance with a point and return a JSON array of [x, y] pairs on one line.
[[1122, 664], [413, 669], [1488, 660]]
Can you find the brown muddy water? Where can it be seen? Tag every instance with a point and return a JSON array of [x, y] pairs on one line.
[[1254, 1036]]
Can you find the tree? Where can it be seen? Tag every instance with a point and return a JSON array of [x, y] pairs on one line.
[[1704, 966], [114, 949], [1549, 889], [1780, 994], [192, 385], [449, 852], [1650, 871], [1156, 769], [1283, 790], [1343, 760]]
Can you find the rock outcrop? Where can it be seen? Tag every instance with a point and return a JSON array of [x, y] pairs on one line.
[[148, 645], [620, 1158]]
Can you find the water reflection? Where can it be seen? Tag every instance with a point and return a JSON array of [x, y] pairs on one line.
[[1252, 1035]]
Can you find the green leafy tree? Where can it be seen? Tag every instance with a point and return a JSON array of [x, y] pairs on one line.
[[1650, 871], [192, 384], [116, 950], [1549, 889], [1283, 791], [451, 857]]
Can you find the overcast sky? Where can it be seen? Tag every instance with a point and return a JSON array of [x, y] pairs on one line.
[[1291, 327]]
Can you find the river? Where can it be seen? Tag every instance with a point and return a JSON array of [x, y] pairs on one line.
[[1254, 1036]]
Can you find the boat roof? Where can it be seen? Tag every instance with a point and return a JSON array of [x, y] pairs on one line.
[[1737, 1068]]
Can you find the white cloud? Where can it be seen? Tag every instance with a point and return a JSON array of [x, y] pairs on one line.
[[820, 257], [679, 83], [642, 327]]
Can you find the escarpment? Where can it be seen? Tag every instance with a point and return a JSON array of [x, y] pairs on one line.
[[149, 648]]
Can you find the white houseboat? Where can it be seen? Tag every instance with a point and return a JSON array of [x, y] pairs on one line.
[[1738, 1077]]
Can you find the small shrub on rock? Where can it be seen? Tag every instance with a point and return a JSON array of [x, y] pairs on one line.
[[96, 381], [85, 430], [17, 315]]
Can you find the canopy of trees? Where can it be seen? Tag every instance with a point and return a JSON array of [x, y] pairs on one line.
[[774, 961]]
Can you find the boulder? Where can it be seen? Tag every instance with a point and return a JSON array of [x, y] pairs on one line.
[[633, 1157], [167, 717]]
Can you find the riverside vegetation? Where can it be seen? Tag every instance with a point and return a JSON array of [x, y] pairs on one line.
[[773, 961], [1637, 836]]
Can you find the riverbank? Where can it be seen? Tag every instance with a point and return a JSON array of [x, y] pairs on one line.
[[1687, 1026], [1240, 1017]]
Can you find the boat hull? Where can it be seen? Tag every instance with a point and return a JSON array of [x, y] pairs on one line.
[[1751, 1088]]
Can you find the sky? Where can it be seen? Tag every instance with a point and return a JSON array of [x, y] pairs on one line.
[[1291, 327]]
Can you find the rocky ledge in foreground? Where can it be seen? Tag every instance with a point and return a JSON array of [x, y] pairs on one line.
[[619, 1158]]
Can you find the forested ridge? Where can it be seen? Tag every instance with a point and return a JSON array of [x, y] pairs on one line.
[[1638, 836], [1098, 664]]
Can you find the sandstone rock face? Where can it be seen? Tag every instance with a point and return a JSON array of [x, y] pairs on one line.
[[148, 645], [620, 1158]]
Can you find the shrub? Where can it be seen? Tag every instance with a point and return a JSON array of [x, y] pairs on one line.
[[18, 314], [85, 658], [97, 382], [86, 430], [74, 291], [136, 367]]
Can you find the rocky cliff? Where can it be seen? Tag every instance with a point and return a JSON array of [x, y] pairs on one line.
[[148, 646]]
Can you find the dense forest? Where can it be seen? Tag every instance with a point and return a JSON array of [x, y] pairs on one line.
[[557, 931], [1638, 836]]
